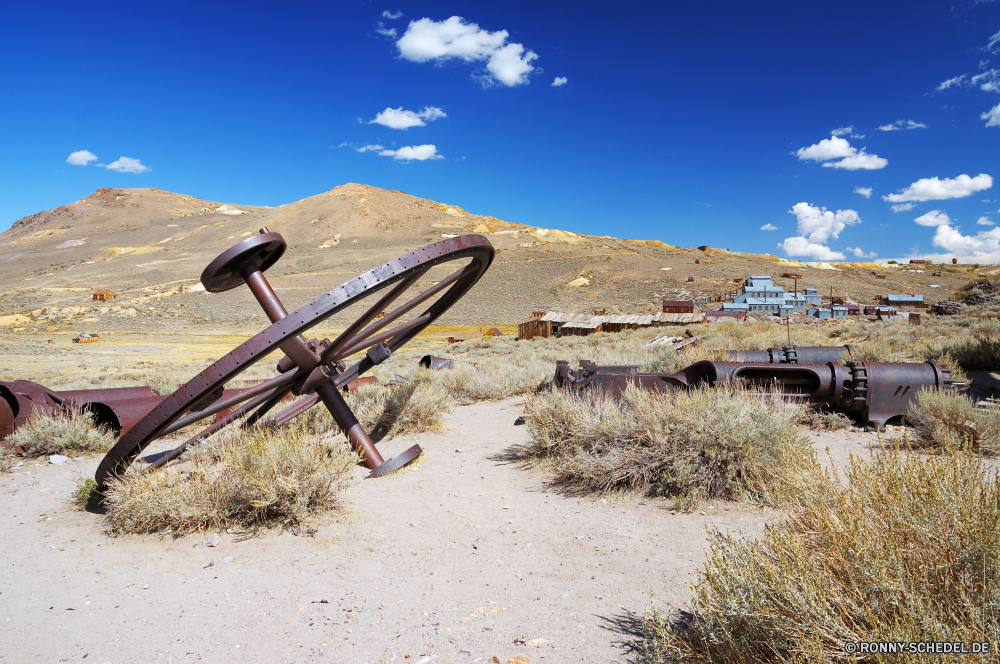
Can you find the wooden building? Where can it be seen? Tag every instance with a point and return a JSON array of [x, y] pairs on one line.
[[678, 306], [103, 295]]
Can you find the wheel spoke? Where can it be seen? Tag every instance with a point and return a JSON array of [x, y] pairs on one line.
[[348, 335], [228, 402], [388, 334], [354, 343], [208, 431]]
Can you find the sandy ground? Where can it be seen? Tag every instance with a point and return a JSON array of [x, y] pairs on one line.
[[466, 556]]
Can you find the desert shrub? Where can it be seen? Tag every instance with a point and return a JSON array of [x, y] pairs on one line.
[[816, 417], [7, 459], [951, 420], [59, 434], [979, 351], [493, 379], [709, 443], [235, 479], [910, 551], [414, 407], [875, 350]]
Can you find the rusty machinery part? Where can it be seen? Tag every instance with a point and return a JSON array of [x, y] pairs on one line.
[[315, 371], [435, 363], [794, 355], [871, 392], [26, 399]]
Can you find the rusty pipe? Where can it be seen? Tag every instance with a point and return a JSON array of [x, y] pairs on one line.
[[349, 424]]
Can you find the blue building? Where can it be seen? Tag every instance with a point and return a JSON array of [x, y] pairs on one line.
[[822, 312], [760, 295]]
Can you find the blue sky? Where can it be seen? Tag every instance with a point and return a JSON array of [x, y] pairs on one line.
[[691, 123]]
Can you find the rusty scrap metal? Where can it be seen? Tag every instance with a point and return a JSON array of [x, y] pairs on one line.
[[871, 392], [794, 355], [435, 363], [314, 371]]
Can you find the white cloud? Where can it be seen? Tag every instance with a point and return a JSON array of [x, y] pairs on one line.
[[935, 189], [127, 165], [828, 148], [81, 158], [842, 131], [863, 191], [411, 152], [397, 118], [985, 221], [992, 116], [369, 148], [820, 224], [769, 227], [859, 161], [425, 40], [933, 218], [839, 148], [951, 82], [860, 253], [902, 207], [392, 15], [902, 124], [988, 81], [983, 247], [560, 81], [994, 41], [511, 64], [384, 31], [800, 246]]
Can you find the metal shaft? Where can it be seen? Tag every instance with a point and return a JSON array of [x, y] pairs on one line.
[[306, 360], [346, 420]]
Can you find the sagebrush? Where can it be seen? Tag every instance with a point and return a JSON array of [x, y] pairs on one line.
[[235, 479], [60, 434], [909, 551], [720, 442], [950, 420]]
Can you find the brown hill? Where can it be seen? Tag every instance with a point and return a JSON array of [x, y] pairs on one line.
[[150, 246]]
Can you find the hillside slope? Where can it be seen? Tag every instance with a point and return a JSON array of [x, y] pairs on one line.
[[148, 243]]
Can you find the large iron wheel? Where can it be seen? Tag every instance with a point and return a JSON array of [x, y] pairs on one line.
[[314, 371]]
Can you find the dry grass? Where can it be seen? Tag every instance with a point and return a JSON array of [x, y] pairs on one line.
[[950, 421], [61, 434], [710, 443], [398, 410], [818, 417], [235, 480], [7, 460], [909, 552]]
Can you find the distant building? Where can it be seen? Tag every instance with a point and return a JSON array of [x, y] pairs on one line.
[[904, 300], [678, 306], [819, 312], [103, 295], [761, 295], [725, 316]]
